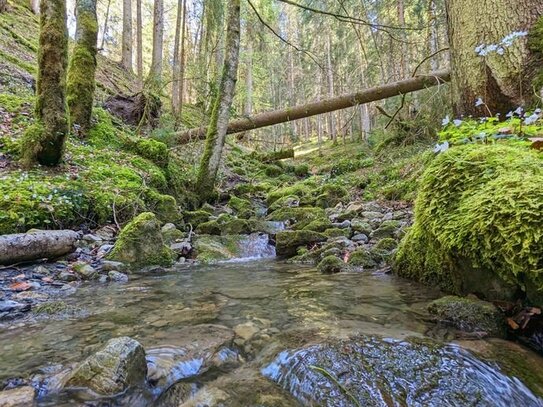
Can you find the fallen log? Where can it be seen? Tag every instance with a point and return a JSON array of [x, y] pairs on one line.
[[274, 155], [43, 244], [323, 106]]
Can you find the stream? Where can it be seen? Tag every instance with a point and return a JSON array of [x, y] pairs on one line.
[[153, 308]]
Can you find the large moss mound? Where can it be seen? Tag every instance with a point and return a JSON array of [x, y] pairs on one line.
[[478, 224]]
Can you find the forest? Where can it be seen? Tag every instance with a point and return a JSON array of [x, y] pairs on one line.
[[271, 203]]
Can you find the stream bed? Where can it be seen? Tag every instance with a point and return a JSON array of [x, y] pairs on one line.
[[266, 295]]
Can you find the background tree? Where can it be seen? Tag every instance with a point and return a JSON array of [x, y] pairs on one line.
[[126, 60], [155, 73], [178, 59], [216, 132], [81, 74], [3, 5], [44, 141], [503, 68]]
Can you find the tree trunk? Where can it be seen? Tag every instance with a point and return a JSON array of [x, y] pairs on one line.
[[330, 75], [139, 42], [3, 6], [81, 75], [126, 60], [502, 81], [178, 51], [44, 141], [323, 106], [46, 244], [155, 74], [221, 111], [106, 21]]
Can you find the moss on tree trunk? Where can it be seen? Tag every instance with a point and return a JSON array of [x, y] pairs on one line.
[[81, 75], [218, 125], [504, 80], [44, 141]]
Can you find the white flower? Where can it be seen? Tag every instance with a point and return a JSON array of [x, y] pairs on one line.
[[479, 102], [518, 111], [445, 121], [457, 122]]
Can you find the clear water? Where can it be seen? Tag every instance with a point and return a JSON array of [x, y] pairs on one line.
[[152, 308]]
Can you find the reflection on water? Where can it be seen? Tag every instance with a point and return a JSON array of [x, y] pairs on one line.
[[153, 308]]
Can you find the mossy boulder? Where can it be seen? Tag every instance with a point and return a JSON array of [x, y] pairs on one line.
[[301, 216], [194, 218], [330, 195], [331, 265], [211, 227], [119, 365], [478, 225], [362, 258], [337, 232], [304, 190], [387, 229], [288, 241], [386, 245], [319, 225], [153, 150], [243, 207], [170, 234], [237, 227], [211, 249], [469, 315], [140, 243], [285, 201]]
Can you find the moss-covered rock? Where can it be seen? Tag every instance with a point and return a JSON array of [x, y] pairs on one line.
[[337, 232], [387, 229], [237, 227], [211, 227], [153, 150], [285, 201], [477, 223], [170, 234], [119, 365], [301, 216], [288, 241], [194, 218], [470, 315], [331, 265], [211, 249], [303, 190], [330, 195], [387, 244], [140, 243], [243, 207], [362, 258], [318, 225]]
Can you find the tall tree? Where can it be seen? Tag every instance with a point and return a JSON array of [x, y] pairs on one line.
[[3, 5], [155, 74], [139, 42], [81, 74], [44, 141], [216, 132], [126, 54], [178, 59], [503, 68]]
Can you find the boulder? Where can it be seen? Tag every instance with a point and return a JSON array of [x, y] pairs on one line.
[[469, 315], [18, 397], [371, 371], [330, 265], [288, 241], [141, 244], [362, 258], [119, 365]]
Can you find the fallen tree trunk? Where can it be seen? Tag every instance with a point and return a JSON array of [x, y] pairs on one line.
[[324, 106], [274, 155], [46, 244]]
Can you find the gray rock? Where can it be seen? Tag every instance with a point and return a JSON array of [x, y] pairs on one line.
[[361, 226], [90, 238], [104, 250], [342, 225], [13, 306], [246, 331], [360, 238], [42, 270], [117, 276], [110, 265], [182, 248], [119, 365], [85, 271], [18, 397], [372, 215], [67, 276], [107, 232]]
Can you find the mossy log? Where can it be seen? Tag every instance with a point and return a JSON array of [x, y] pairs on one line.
[[324, 106], [275, 155], [47, 244]]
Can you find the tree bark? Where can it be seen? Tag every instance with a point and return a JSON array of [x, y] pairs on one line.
[[47, 244], [155, 74], [81, 75], [178, 51], [502, 81], [323, 106], [44, 141], [106, 21], [218, 125], [126, 56], [139, 42], [3, 6]]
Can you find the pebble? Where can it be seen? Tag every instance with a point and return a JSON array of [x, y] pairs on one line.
[[109, 265], [360, 238], [117, 276], [67, 276], [343, 225]]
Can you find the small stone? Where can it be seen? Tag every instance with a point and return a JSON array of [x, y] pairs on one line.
[[13, 306], [42, 270], [104, 250], [103, 279], [152, 269], [107, 232], [372, 215], [67, 276], [85, 271], [18, 397], [117, 276], [91, 238], [360, 238], [343, 225], [109, 265], [246, 331]]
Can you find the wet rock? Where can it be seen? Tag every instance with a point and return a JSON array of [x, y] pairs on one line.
[[117, 276], [362, 258], [119, 365], [371, 215], [140, 243], [106, 233], [109, 265], [85, 271], [289, 240], [13, 306], [182, 248], [90, 238], [246, 331], [342, 225], [360, 238], [331, 265], [18, 397], [171, 234], [387, 229], [194, 351], [469, 315], [67, 276], [104, 250], [384, 372], [361, 226]]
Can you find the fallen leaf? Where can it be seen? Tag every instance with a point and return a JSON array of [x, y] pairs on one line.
[[21, 286], [512, 324]]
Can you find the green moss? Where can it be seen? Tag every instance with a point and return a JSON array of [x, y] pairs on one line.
[[211, 227], [196, 217], [535, 42], [210, 249], [31, 143], [289, 240], [337, 232], [301, 170], [387, 244], [469, 315], [237, 227], [330, 195], [302, 190], [318, 225], [330, 265], [164, 206], [243, 207], [30, 68], [477, 222], [272, 170], [362, 258], [153, 150], [285, 201], [54, 307], [12, 103], [302, 216]]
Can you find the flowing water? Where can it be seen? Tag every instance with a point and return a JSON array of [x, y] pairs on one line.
[[153, 308]]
